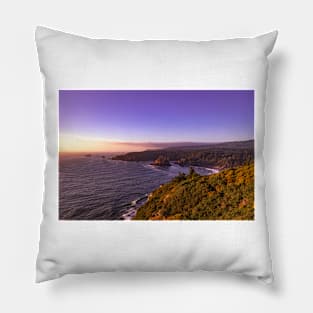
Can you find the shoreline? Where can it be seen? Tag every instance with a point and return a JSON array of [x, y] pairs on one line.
[[137, 203]]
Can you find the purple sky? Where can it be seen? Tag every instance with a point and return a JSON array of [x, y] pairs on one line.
[[157, 116]]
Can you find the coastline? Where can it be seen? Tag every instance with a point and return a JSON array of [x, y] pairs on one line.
[[139, 202], [227, 195]]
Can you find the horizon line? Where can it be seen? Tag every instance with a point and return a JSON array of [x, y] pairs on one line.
[[163, 145]]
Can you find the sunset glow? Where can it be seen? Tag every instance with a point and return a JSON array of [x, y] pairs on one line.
[[130, 120], [79, 144]]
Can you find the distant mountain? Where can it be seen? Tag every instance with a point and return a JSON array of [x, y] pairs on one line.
[[246, 144], [227, 195], [215, 155]]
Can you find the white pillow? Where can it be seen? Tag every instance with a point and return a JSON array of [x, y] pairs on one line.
[[85, 233]]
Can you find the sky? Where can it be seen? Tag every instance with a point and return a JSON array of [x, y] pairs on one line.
[[130, 120]]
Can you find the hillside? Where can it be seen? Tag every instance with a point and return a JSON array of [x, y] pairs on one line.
[[227, 195], [219, 155]]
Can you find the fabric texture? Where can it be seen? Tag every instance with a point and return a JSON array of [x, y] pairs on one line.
[[70, 62]]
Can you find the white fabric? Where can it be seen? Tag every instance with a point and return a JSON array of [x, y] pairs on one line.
[[73, 62]]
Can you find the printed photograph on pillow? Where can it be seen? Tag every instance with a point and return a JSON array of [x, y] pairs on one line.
[[156, 155]]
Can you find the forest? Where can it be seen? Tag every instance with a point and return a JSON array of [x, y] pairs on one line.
[[216, 155], [227, 195]]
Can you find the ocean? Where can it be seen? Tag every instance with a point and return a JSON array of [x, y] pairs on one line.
[[94, 187]]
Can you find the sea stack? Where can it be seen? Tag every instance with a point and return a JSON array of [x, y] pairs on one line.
[[161, 161]]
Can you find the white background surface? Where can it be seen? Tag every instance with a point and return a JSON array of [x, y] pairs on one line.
[[289, 155]]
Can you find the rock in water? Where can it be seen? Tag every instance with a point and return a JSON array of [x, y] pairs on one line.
[[161, 161]]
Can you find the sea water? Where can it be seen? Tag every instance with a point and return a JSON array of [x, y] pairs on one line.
[[95, 187]]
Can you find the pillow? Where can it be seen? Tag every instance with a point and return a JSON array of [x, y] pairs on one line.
[[154, 155]]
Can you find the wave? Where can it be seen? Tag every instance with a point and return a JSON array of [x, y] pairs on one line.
[[134, 206], [90, 188]]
